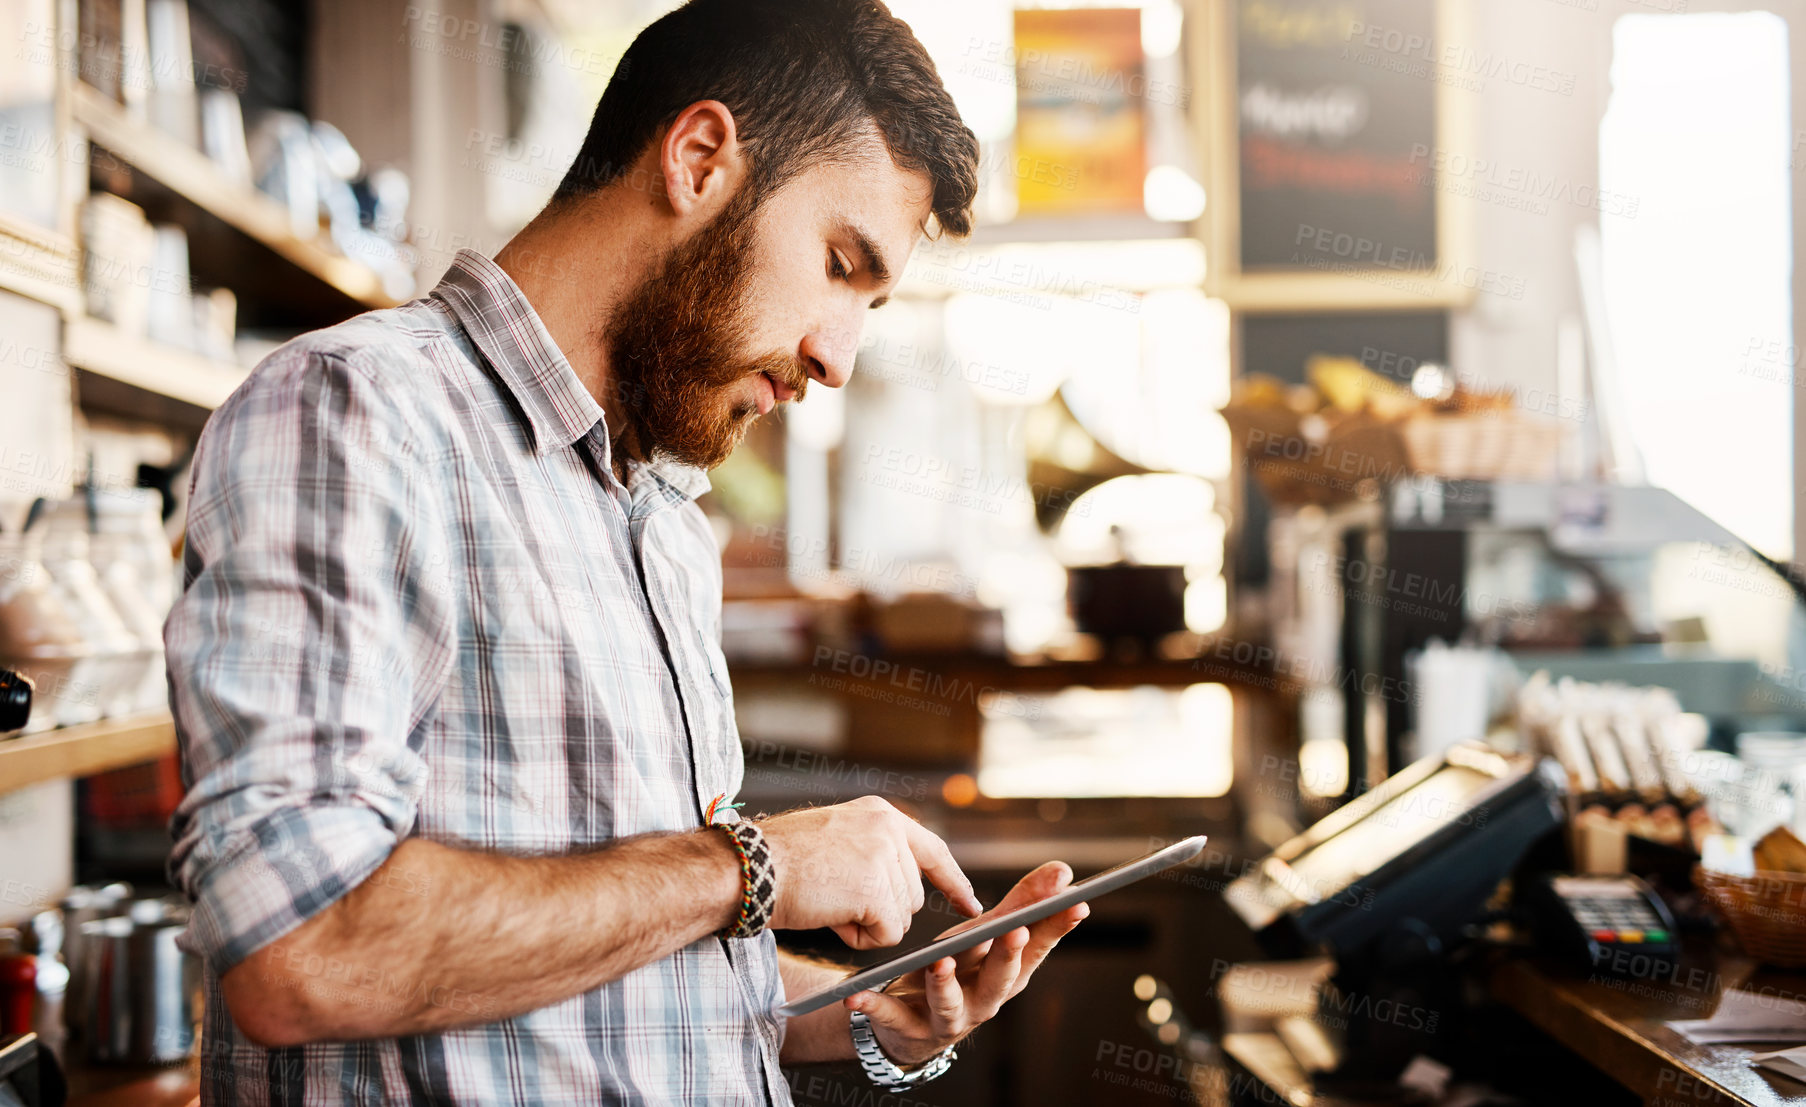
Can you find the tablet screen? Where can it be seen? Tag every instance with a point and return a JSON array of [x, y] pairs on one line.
[[984, 930]]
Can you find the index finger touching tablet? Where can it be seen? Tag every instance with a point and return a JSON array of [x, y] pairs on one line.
[[937, 864], [995, 925]]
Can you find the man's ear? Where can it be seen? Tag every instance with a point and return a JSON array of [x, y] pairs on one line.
[[701, 160]]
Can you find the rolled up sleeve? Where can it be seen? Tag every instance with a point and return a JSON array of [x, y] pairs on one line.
[[308, 649]]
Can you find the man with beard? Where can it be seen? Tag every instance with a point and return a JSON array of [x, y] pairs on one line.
[[457, 734]]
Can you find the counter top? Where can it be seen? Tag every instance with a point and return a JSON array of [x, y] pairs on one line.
[[1617, 1027], [1621, 1026], [1225, 661], [134, 1086]]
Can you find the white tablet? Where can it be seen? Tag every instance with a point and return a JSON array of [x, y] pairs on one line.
[[1090, 888]]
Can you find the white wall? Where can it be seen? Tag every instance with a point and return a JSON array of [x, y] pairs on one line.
[[1525, 131], [37, 848], [1542, 152]]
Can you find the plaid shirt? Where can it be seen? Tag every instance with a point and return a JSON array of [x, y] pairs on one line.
[[419, 603]]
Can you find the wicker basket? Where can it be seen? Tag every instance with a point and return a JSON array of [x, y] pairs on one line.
[[1332, 458], [1323, 459], [1768, 912], [1501, 445]]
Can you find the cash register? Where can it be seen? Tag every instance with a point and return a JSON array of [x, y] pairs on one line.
[[1388, 885]]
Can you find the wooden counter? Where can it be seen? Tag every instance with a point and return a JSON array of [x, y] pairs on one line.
[[140, 1086], [1620, 1026]]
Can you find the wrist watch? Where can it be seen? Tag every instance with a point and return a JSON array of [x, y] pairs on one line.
[[882, 1070]]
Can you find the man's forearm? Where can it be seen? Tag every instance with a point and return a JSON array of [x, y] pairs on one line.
[[820, 1036], [492, 937]]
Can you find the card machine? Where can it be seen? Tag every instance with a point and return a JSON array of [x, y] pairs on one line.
[[1615, 925]]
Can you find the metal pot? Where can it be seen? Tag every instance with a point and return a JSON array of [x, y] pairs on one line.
[[1128, 605], [138, 987], [83, 904]]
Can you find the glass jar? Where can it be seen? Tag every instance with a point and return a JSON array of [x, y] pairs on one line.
[[113, 675], [131, 554], [130, 522], [37, 635]]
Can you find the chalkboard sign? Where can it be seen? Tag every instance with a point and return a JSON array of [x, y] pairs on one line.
[[1337, 113], [1327, 123]]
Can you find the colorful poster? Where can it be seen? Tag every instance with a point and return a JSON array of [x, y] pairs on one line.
[[1081, 141]]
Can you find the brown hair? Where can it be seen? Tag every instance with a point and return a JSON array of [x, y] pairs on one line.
[[805, 81]]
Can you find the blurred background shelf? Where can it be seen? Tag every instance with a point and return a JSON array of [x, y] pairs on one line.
[[1209, 666], [84, 750], [98, 347], [172, 171], [40, 264]]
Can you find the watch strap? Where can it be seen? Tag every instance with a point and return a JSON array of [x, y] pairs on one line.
[[882, 1070]]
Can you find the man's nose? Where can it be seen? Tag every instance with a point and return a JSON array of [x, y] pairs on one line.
[[828, 352]]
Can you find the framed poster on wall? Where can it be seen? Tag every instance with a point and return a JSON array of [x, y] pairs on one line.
[[1328, 126], [1078, 104]]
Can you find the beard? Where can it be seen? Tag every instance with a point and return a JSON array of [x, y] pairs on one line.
[[676, 346]]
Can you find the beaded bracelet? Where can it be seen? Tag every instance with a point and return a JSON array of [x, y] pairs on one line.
[[758, 880]]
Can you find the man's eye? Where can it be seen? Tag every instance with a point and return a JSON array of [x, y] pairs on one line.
[[837, 269]]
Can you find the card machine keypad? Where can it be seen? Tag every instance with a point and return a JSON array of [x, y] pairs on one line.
[[1617, 918], [1617, 922]]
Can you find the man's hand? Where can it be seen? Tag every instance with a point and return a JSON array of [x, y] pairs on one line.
[[929, 1010], [857, 868]]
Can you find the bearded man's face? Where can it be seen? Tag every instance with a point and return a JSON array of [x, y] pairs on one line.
[[767, 297], [677, 347]]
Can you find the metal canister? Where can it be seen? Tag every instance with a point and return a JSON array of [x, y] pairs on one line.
[[139, 986], [84, 904]]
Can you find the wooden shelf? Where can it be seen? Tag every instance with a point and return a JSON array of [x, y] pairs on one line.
[[39, 264], [192, 176], [84, 750], [179, 374], [985, 671]]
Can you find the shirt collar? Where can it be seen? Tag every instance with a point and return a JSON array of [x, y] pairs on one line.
[[511, 335]]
